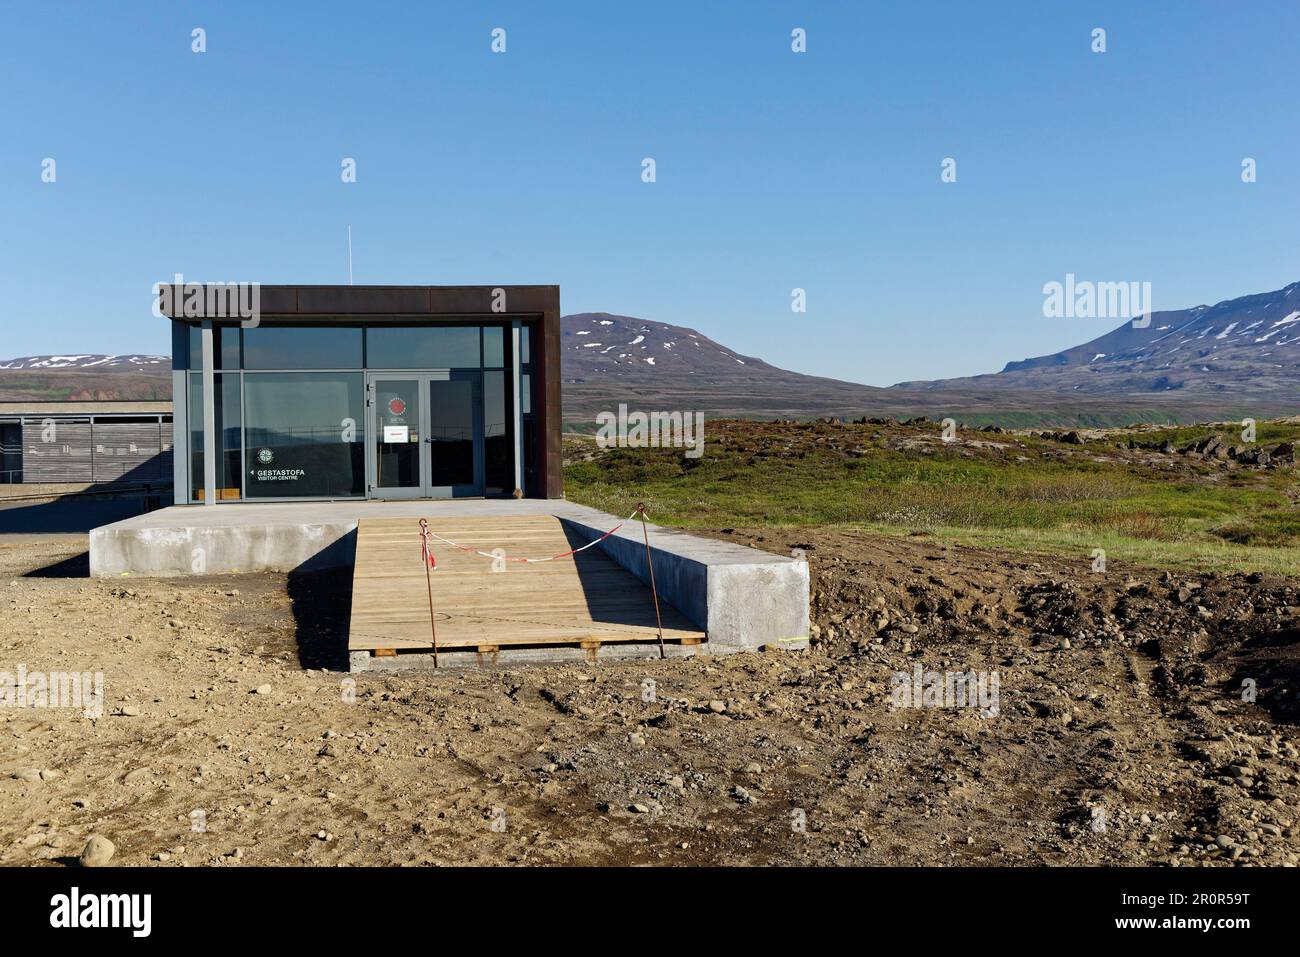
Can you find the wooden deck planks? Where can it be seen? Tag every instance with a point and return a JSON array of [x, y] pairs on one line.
[[582, 598]]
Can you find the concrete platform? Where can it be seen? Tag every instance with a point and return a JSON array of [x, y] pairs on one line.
[[743, 598]]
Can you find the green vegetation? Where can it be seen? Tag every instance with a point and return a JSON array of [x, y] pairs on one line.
[[1266, 433], [1044, 417], [64, 385], [1027, 496]]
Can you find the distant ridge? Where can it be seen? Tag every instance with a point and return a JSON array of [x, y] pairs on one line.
[[1246, 349], [1207, 363], [85, 361]]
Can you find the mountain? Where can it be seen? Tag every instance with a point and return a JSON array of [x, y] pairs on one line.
[[86, 362], [600, 344], [83, 377], [1208, 363], [610, 359], [1244, 351]]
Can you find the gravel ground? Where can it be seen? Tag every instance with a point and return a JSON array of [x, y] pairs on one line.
[[1140, 718]]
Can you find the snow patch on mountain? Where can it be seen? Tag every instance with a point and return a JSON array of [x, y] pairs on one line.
[[85, 361]]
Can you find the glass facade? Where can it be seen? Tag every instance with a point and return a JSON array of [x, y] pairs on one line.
[[494, 346], [498, 449], [304, 435], [527, 421], [227, 421], [357, 410], [303, 347], [225, 346], [453, 407], [422, 347]]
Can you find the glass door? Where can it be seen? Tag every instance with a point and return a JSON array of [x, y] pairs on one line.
[[425, 435], [455, 434], [395, 428]]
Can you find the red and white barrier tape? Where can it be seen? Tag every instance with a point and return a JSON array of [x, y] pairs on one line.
[[425, 533], [426, 553]]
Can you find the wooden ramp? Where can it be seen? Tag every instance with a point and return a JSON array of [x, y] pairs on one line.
[[584, 599]]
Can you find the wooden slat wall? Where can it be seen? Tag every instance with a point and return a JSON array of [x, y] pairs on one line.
[[106, 451], [66, 459], [127, 451]]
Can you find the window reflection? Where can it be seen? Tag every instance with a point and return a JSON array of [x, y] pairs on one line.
[[301, 347], [225, 347], [305, 434], [498, 457], [422, 347], [494, 347], [227, 422]]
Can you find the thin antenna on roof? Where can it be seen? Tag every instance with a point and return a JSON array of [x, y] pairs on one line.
[[349, 255]]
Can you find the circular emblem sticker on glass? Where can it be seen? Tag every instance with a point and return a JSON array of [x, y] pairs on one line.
[[396, 406], [264, 456]]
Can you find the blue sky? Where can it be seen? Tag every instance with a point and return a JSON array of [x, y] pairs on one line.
[[775, 170]]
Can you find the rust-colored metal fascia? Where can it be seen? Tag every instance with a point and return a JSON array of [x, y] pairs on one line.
[[550, 456]]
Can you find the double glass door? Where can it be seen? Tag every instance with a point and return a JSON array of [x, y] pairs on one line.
[[425, 432]]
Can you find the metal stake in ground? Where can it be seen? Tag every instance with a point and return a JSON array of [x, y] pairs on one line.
[[429, 563], [640, 510]]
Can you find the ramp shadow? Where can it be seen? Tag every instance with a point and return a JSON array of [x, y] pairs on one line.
[[68, 516], [321, 600], [616, 597]]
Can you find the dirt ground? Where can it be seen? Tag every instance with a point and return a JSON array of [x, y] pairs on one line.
[[1120, 734]]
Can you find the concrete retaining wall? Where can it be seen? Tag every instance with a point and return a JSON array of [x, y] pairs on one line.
[[218, 549], [744, 598]]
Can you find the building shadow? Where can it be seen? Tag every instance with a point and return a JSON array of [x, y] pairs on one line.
[[71, 516], [321, 600]]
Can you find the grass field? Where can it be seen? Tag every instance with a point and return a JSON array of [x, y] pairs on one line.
[[1006, 491]]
